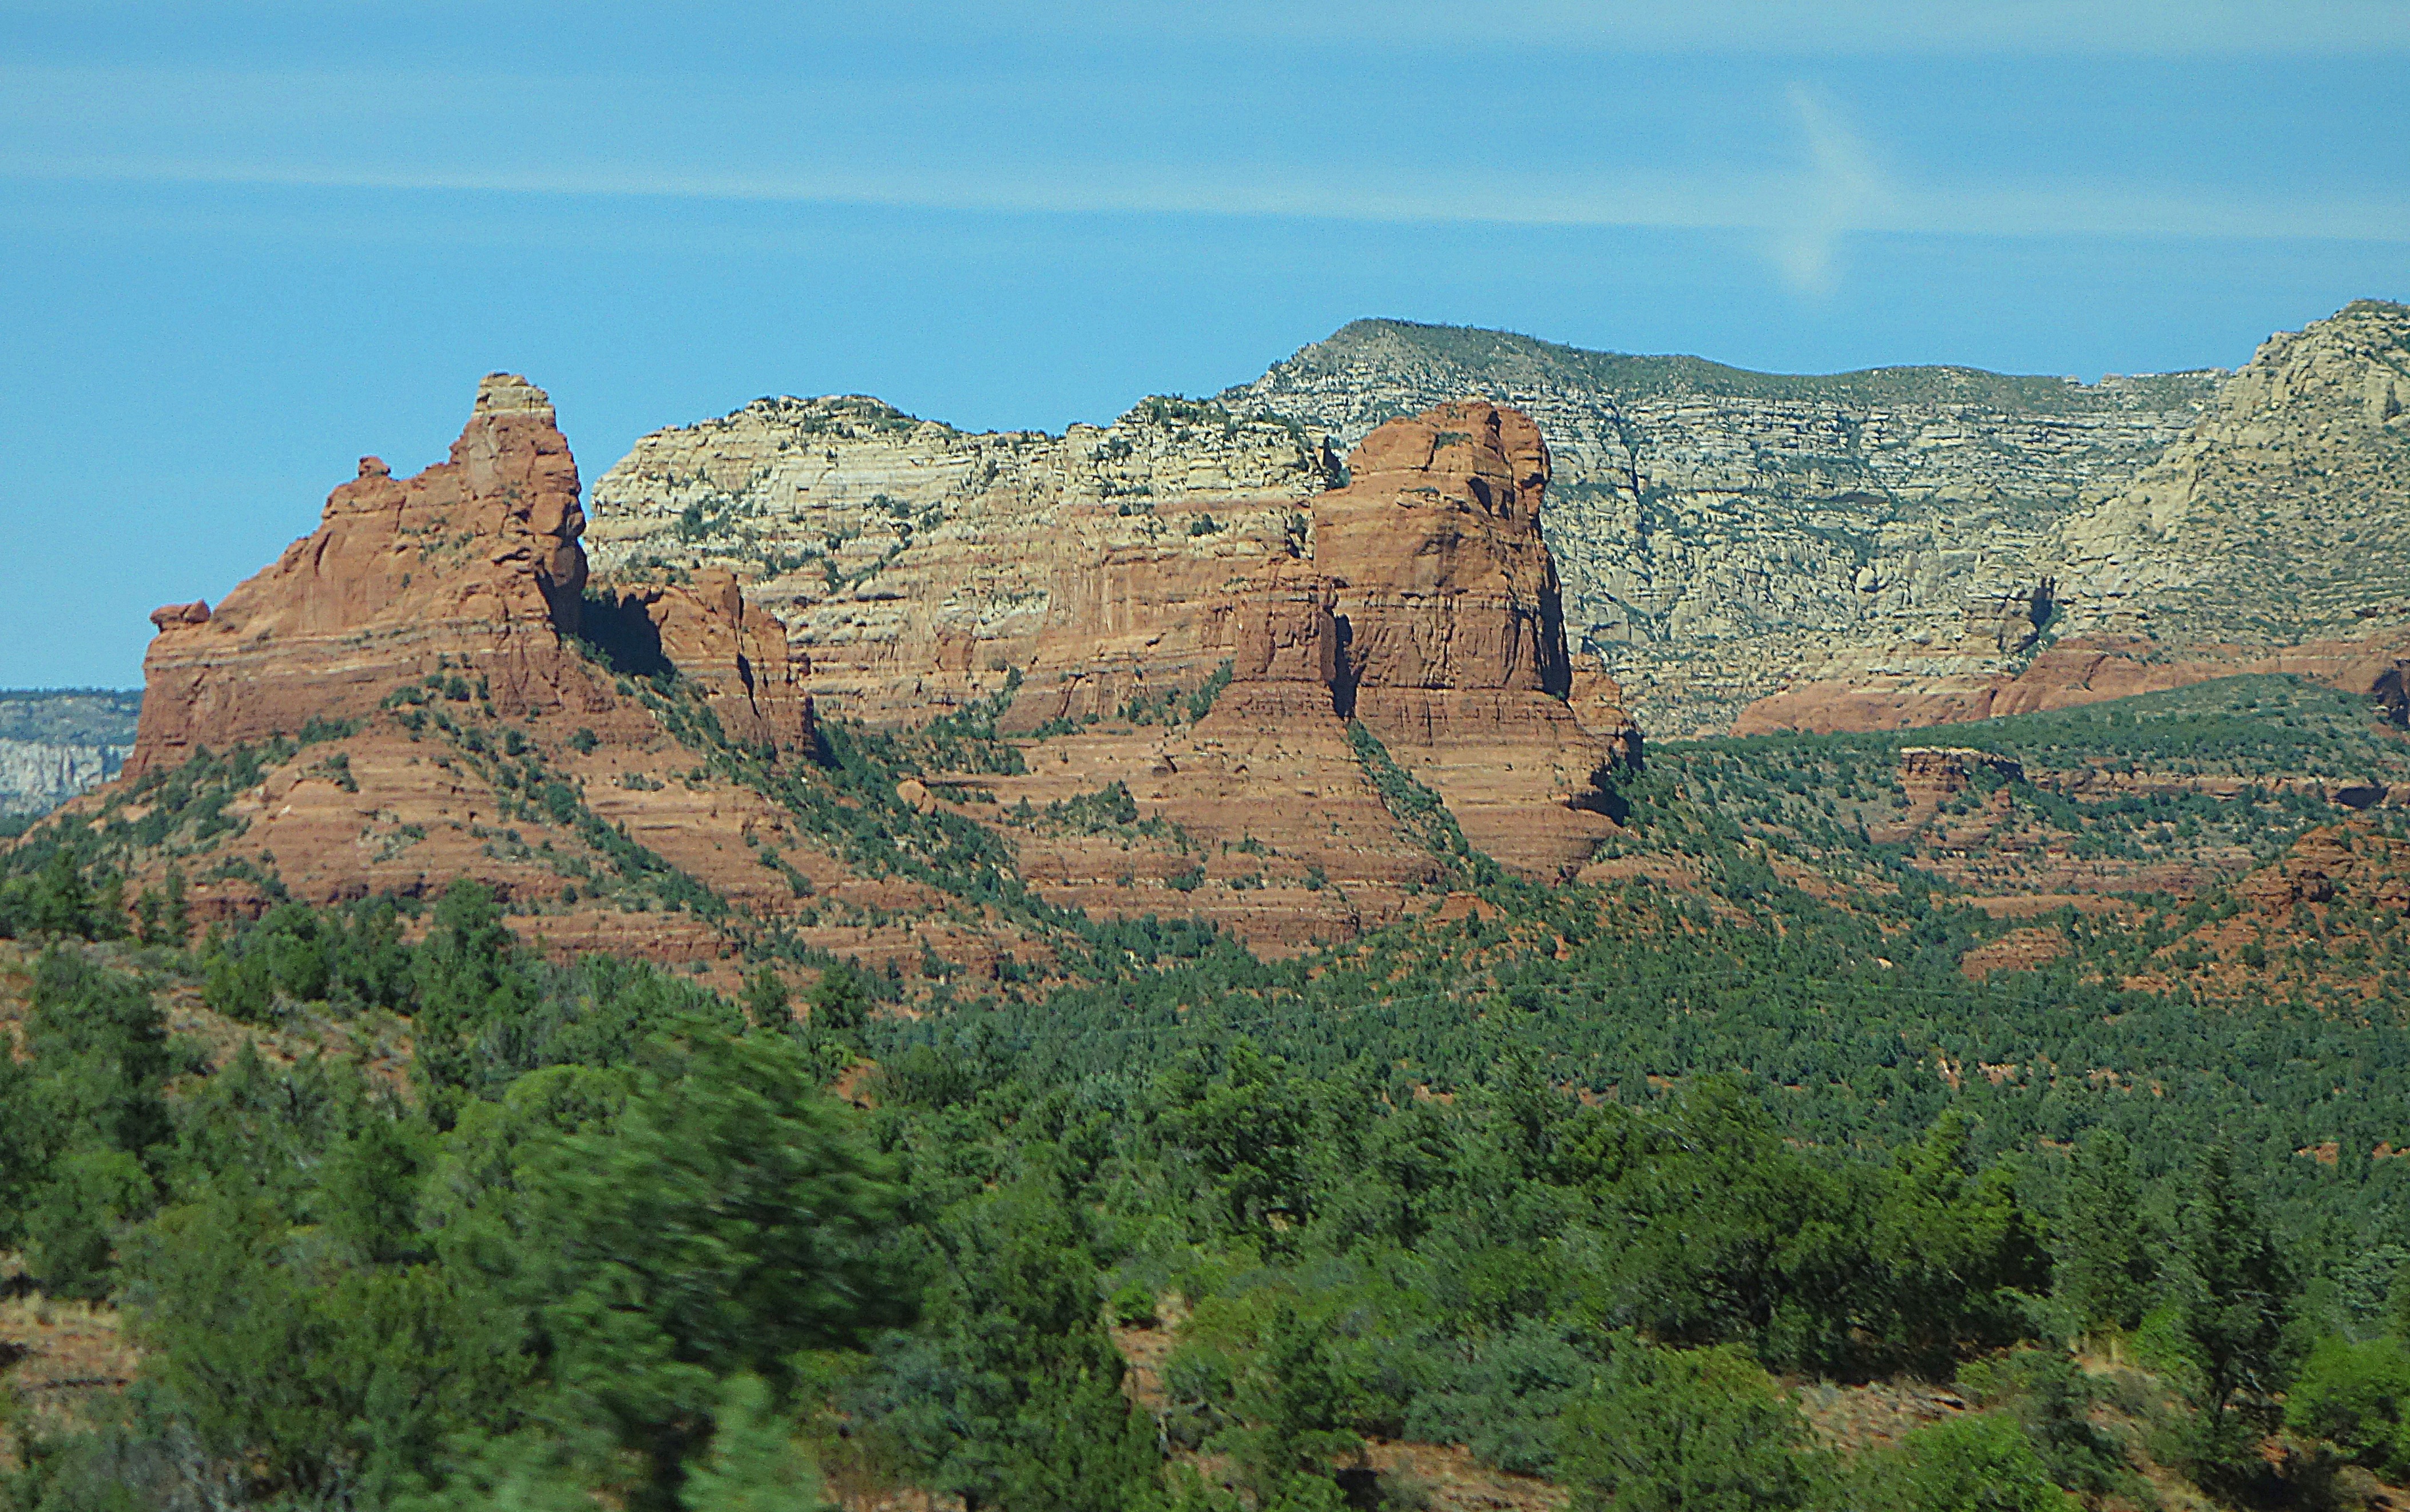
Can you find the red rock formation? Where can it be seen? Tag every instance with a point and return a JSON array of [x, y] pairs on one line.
[[1132, 623], [463, 587], [1445, 585], [473, 568], [473, 564], [1452, 647], [1950, 769], [750, 678], [1278, 628], [1421, 599], [2019, 949], [1931, 776]]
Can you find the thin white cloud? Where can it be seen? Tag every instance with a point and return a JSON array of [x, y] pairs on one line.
[[1777, 28], [1842, 191], [333, 130], [1804, 216]]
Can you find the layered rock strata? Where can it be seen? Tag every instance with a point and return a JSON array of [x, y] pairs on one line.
[[420, 673], [1920, 536], [1715, 528], [1451, 643], [2272, 536], [918, 565], [430, 688], [1119, 573], [1931, 776], [1419, 600], [751, 679], [473, 564], [473, 569]]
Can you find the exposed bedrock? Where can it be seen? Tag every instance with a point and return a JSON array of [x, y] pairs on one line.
[[472, 568]]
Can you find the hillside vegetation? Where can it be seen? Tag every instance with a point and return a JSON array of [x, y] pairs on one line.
[[1627, 1188]]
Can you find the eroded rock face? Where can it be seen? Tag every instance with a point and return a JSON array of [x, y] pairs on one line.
[[55, 744], [2283, 514], [472, 564], [1445, 582], [1278, 627], [1931, 776], [918, 565], [1716, 529], [1910, 533], [739, 658], [1421, 601], [2340, 861], [471, 569], [2274, 535], [476, 716], [2086, 670], [1117, 570], [496, 717], [36, 777], [1451, 633], [1893, 544], [1948, 769]]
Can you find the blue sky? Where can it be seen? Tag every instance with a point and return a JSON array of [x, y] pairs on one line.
[[243, 244]]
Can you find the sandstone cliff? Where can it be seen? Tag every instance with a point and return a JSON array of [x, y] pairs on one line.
[[1904, 546], [917, 565], [1716, 529], [421, 690], [1896, 545], [740, 661], [2272, 536], [1451, 630], [473, 564], [1121, 574], [428, 687]]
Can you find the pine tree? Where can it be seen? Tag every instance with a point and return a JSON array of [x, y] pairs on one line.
[[2231, 1287], [2103, 1248]]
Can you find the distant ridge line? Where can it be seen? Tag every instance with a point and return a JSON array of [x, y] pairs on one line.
[[1513, 356]]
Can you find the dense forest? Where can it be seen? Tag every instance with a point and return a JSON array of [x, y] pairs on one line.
[[1608, 1184]]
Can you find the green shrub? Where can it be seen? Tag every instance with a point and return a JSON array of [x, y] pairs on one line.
[[58, 900], [1685, 1431], [2356, 1397], [72, 1233], [1980, 1462], [1132, 1306], [2051, 1400]]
